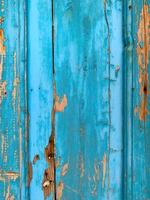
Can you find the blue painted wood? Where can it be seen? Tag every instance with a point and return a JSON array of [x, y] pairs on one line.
[[40, 89], [88, 70], [13, 107], [137, 152], [87, 131]]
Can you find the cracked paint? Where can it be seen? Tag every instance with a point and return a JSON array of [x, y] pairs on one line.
[[143, 50], [49, 184]]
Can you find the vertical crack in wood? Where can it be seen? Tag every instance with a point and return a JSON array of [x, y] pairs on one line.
[[54, 97], [109, 94], [49, 180], [53, 38]]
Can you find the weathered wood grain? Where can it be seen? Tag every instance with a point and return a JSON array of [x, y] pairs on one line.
[[13, 109], [137, 125], [84, 68], [88, 70]]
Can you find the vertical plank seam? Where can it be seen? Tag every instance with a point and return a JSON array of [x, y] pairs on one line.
[[54, 96], [50, 150], [26, 125]]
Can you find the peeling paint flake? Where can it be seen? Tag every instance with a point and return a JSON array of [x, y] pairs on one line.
[[60, 106], [60, 188], [104, 162], [143, 50], [64, 169], [2, 39], [36, 158], [48, 182], [49, 150], [49, 174]]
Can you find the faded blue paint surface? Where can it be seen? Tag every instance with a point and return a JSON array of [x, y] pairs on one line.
[[137, 140], [88, 60], [101, 144], [13, 110]]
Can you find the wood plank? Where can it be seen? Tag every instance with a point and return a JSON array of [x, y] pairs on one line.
[[40, 93], [88, 70], [137, 94], [13, 109]]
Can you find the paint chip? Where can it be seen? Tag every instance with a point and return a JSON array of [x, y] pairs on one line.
[[60, 188], [2, 47], [36, 158], [60, 106], [104, 162], [64, 169], [48, 182]]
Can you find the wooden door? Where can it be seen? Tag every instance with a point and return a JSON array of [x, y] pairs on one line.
[[74, 100]]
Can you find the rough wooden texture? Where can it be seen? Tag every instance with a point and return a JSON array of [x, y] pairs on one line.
[[13, 109], [88, 70], [137, 101], [84, 68]]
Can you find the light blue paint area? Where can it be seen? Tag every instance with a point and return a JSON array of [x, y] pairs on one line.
[[116, 137], [40, 89]]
